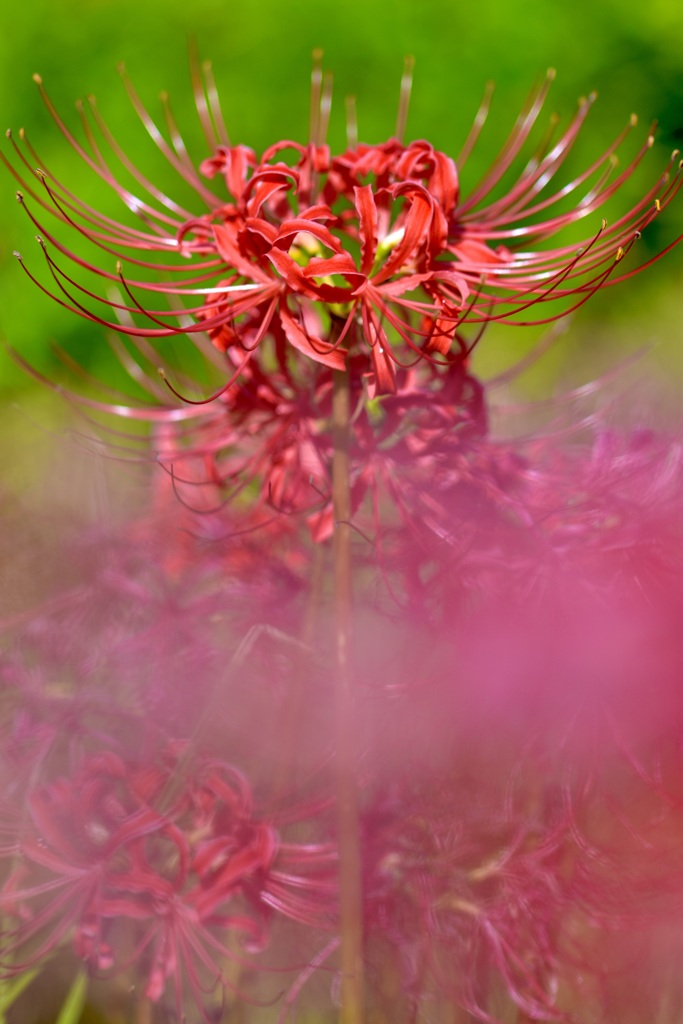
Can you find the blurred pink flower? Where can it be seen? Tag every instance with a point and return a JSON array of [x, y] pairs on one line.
[[156, 864]]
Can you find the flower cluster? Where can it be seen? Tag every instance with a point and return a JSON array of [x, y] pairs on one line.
[[514, 783], [156, 863]]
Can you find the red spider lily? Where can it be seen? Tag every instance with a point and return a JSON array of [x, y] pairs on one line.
[[156, 864], [503, 881], [543, 590], [331, 260], [465, 898], [549, 516], [546, 560], [267, 437], [147, 617], [271, 430]]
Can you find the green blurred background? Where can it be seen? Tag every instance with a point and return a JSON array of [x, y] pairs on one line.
[[631, 52]]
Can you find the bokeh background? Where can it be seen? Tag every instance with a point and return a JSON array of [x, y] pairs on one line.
[[629, 51]]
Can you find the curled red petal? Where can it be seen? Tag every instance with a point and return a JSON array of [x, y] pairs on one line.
[[317, 349], [289, 229], [367, 225], [230, 252]]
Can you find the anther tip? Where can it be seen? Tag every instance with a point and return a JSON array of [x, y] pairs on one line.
[[551, 75], [638, 234], [604, 223], [20, 197], [40, 173], [8, 133], [317, 54], [633, 120], [650, 141], [17, 255], [119, 267], [38, 79], [161, 372], [41, 241]]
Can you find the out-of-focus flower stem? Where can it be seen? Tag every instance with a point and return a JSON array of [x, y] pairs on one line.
[[287, 772], [143, 1009], [350, 893]]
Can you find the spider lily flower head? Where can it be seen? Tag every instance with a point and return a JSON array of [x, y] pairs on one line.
[[374, 252], [270, 430], [552, 580], [468, 898], [540, 515], [532, 595], [155, 866], [495, 884], [142, 635]]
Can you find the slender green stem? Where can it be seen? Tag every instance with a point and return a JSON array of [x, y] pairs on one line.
[[350, 890]]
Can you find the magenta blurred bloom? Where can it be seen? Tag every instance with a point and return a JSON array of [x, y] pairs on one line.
[[156, 865]]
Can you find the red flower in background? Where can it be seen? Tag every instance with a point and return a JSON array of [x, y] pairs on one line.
[[157, 863]]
